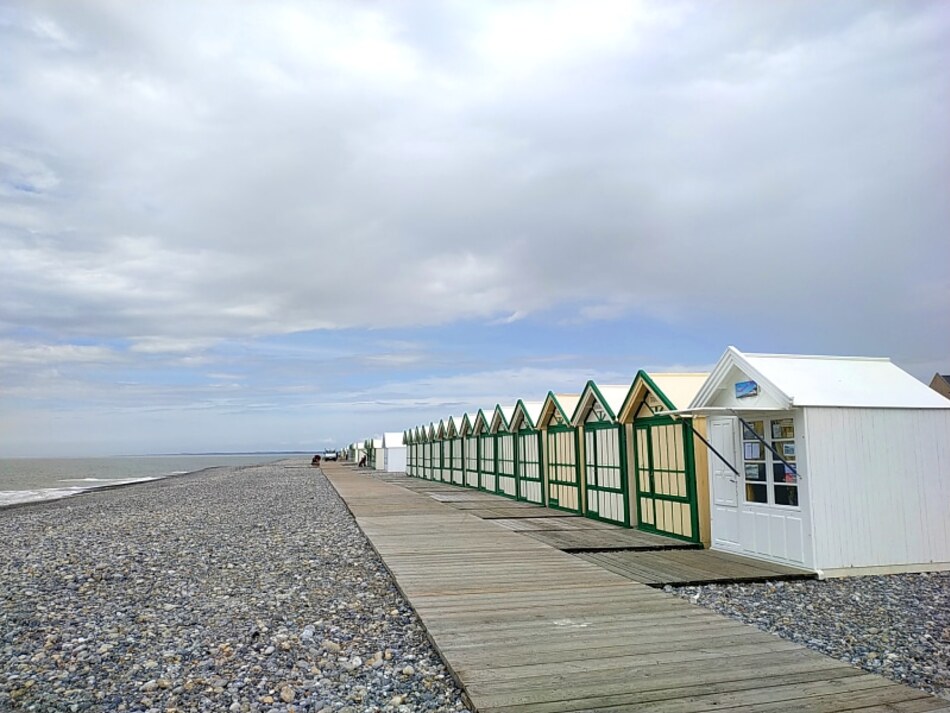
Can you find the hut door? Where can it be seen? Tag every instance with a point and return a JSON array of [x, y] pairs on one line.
[[725, 485], [528, 467], [606, 494], [563, 485], [666, 480]]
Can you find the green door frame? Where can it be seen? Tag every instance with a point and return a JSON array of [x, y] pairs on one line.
[[520, 479], [576, 483], [514, 463], [624, 489], [689, 460]]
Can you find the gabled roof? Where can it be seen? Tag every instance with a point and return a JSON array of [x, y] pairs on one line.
[[525, 412], [610, 397], [392, 439], [672, 391], [558, 407], [408, 437], [787, 380], [466, 425], [501, 418], [481, 423], [440, 428], [452, 424]]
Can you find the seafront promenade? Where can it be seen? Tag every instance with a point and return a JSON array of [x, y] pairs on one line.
[[527, 628]]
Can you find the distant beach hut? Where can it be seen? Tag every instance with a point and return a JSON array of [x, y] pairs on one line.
[[834, 464], [377, 451], [486, 453], [428, 452], [562, 452], [470, 451], [668, 466], [456, 462], [500, 427], [604, 475], [442, 454], [529, 451], [393, 451]]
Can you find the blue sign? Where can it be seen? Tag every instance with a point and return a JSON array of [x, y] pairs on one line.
[[745, 389]]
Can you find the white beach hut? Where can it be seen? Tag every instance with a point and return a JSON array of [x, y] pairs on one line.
[[393, 450], [839, 465], [470, 451], [455, 462], [563, 459], [377, 449], [500, 427], [606, 485], [486, 452], [529, 451]]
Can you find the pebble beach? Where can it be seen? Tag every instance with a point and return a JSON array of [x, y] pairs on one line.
[[895, 625], [234, 589]]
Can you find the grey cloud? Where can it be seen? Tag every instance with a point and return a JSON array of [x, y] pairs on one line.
[[187, 171]]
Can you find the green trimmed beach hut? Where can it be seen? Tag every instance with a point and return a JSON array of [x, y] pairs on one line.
[[435, 451], [605, 481], [506, 482], [420, 444], [669, 497], [471, 454], [441, 459], [486, 453], [563, 458], [428, 452], [455, 461], [529, 451], [407, 437]]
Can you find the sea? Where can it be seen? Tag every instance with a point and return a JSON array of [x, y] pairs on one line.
[[25, 480]]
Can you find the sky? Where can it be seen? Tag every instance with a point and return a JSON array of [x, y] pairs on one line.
[[292, 225]]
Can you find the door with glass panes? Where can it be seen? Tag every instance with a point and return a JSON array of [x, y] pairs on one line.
[[772, 521]]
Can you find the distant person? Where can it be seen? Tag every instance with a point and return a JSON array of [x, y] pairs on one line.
[[315, 461], [362, 462]]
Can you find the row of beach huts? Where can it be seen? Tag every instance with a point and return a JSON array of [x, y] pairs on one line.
[[838, 465]]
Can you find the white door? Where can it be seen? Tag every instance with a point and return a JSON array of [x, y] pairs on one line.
[[725, 485]]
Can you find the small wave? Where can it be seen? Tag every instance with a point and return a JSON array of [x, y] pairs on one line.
[[18, 497], [178, 472]]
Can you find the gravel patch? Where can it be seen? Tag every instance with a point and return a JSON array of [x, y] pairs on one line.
[[236, 589], [896, 625]]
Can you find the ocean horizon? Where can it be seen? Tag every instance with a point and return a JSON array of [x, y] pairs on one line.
[[27, 480]]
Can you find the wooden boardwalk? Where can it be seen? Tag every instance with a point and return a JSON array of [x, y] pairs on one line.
[[641, 556], [527, 628]]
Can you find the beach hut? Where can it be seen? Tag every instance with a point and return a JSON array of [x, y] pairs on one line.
[[668, 461], [407, 436], [427, 451], [941, 384], [392, 457], [416, 450], [435, 450], [379, 455], [605, 452], [456, 462], [529, 451], [470, 440], [372, 446], [563, 458], [443, 468], [839, 465], [500, 427], [486, 453]]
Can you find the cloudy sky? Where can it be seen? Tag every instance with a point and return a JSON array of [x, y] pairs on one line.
[[239, 226]]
